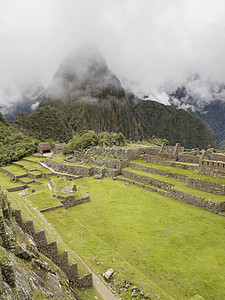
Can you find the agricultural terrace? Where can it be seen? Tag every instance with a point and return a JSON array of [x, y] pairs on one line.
[[166, 248]]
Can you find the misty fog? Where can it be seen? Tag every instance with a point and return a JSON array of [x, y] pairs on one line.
[[152, 46]]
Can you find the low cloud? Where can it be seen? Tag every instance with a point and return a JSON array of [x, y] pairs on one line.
[[152, 46]]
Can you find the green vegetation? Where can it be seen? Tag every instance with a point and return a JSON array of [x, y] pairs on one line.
[[34, 158], [28, 165], [164, 246], [5, 182], [125, 228], [43, 199], [13, 144], [136, 119], [17, 171], [46, 123], [91, 138], [189, 173], [179, 185]]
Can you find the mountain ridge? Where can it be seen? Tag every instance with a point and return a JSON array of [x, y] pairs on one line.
[[90, 96]]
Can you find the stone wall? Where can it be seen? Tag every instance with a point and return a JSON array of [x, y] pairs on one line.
[[212, 168], [167, 149], [207, 186], [26, 182], [17, 188], [151, 150], [110, 163], [7, 173], [192, 159], [181, 196], [181, 165], [72, 202], [157, 171], [50, 208], [128, 153], [5, 238], [151, 159], [217, 156], [51, 251], [202, 185], [168, 156], [81, 170], [197, 201], [147, 180], [34, 176], [160, 161]]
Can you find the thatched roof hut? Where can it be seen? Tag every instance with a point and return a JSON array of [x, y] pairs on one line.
[[44, 147], [58, 147]]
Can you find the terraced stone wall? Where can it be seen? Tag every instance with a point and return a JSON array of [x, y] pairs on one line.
[[207, 186], [110, 163], [117, 152], [197, 201], [72, 202], [214, 207], [80, 170], [51, 251], [157, 171], [189, 158], [152, 159], [147, 180]]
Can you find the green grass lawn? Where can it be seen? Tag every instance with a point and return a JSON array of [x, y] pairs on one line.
[[122, 227], [43, 199], [43, 170], [189, 173], [26, 179], [35, 159], [59, 158], [28, 165], [180, 185], [43, 180], [17, 171], [36, 172], [5, 181], [37, 187]]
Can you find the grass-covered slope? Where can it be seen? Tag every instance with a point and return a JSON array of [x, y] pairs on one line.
[[14, 144], [147, 237], [164, 246]]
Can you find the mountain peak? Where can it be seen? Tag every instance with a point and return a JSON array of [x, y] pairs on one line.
[[84, 75]]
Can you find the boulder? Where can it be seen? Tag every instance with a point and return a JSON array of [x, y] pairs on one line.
[[24, 193], [67, 190], [108, 274], [22, 252]]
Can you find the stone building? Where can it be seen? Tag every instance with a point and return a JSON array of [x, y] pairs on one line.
[[58, 148], [44, 148]]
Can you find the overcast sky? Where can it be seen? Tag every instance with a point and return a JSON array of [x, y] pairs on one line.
[[147, 42]]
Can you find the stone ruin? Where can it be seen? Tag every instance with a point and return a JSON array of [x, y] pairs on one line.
[[50, 250], [212, 163]]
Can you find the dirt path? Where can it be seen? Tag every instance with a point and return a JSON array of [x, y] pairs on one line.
[[59, 173]]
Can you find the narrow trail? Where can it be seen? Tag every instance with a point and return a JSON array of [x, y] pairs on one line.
[[58, 173]]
